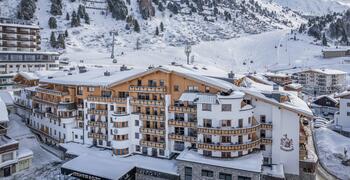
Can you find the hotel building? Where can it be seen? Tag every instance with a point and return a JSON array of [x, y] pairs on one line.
[[169, 111]]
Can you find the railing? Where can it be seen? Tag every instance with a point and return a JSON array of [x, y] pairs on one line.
[[100, 124], [223, 131], [51, 101], [184, 138], [182, 123], [266, 141], [107, 99], [182, 109], [99, 136], [229, 146], [53, 116], [157, 89], [51, 91], [142, 102], [160, 132], [267, 126], [151, 117], [152, 144], [97, 112]]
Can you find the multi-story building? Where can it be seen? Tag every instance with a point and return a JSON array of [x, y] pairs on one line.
[[342, 117], [321, 81], [166, 111], [19, 35], [12, 158], [279, 78]]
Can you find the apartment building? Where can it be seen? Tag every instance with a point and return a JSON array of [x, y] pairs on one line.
[[165, 111], [19, 35], [342, 117], [321, 81]]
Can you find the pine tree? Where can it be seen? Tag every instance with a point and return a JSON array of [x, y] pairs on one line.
[[52, 23], [136, 26], [75, 21], [161, 26], [56, 7], [87, 18], [53, 41], [67, 16], [66, 33], [157, 31], [324, 40], [26, 9], [60, 41], [81, 11]]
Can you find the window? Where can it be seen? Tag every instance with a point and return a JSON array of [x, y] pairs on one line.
[[225, 139], [226, 123], [206, 153], [137, 122], [137, 135], [262, 147], [207, 173], [192, 88], [226, 154], [244, 178], [7, 157], [188, 173], [206, 122], [226, 107], [348, 104], [348, 113], [176, 88], [137, 148], [161, 83], [91, 89], [207, 89], [206, 107], [161, 152], [111, 107], [225, 176], [262, 118]]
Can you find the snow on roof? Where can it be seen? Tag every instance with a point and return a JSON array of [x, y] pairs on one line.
[[6, 141], [326, 71], [294, 86], [94, 77], [335, 49], [104, 159], [327, 96], [36, 75], [281, 75], [33, 26], [3, 111], [30, 52], [6, 97], [24, 152], [342, 94], [207, 99], [251, 162]]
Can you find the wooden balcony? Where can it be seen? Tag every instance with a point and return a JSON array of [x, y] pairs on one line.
[[146, 117], [158, 132], [51, 91], [107, 99], [152, 144], [46, 101], [183, 138], [182, 124], [79, 118], [267, 126], [302, 153], [183, 109], [142, 102], [149, 89], [231, 131], [229, 146], [99, 124], [97, 112], [98, 136], [266, 141]]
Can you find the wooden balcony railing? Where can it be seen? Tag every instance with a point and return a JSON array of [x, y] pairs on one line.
[[142, 102], [147, 117], [97, 112], [152, 144], [182, 124], [99, 124], [51, 91], [159, 132], [223, 131], [266, 141], [47, 101], [157, 89], [107, 99], [179, 109], [183, 138], [99, 136], [267, 126], [229, 146]]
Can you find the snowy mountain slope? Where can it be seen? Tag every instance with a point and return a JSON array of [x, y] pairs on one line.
[[314, 7]]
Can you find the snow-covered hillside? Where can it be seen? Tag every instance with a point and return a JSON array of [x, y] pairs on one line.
[[314, 7]]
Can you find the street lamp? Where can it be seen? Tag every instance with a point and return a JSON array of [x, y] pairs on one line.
[[188, 50]]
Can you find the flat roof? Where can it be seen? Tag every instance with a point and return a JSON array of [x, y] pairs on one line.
[[31, 52], [251, 162], [327, 71], [29, 26]]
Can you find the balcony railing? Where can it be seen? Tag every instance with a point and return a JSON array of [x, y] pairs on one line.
[[99, 124], [230, 131], [182, 138], [159, 132], [48, 101], [229, 146], [142, 102], [266, 141], [99, 136], [107, 99], [182, 124], [97, 112], [152, 144], [180, 109], [267, 126], [157, 89], [51, 91], [147, 117]]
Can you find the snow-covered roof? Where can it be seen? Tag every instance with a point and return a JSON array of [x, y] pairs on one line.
[[36, 75], [327, 71], [33, 26], [294, 86], [326, 96], [30, 52], [280, 75], [24, 153], [6, 97], [335, 49], [6, 141], [3, 111], [342, 94], [251, 162]]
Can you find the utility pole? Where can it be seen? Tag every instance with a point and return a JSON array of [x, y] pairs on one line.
[[113, 33]]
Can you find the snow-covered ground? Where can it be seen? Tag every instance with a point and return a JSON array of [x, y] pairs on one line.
[[315, 7], [44, 165], [331, 147]]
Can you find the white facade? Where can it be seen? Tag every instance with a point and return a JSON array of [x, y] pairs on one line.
[[342, 118]]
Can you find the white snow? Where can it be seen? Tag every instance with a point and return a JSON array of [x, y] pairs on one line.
[[6, 96], [251, 162], [331, 147], [3, 111]]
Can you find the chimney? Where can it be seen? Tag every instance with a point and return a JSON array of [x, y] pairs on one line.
[[123, 68], [231, 75], [107, 73]]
